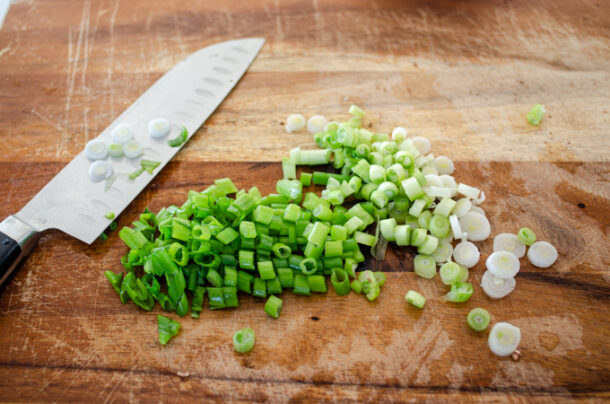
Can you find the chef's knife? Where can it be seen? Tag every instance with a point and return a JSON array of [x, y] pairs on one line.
[[71, 202]]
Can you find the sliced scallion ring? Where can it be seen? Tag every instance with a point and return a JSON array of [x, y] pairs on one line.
[[480, 199], [444, 165], [477, 209], [497, 288], [462, 206], [478, 319], [466, 253], [503, 264], [294, 123], [421, 144], [115, 150], [122, 133], [424, 266], [158, 128], [504, 339], [96, 150], [132, 150], [456, 229], [316, 124], [399, 134], [476, 225], [542, 254], [509, 242], [443, 252], [100, 170], [449, 182]]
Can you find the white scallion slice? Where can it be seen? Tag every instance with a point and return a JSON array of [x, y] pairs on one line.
[[503, 264], [421, 144], [316, 124], [476, 225], [433, 180], [477, 209], [466, 253], [509, 242], [462, 207], [122, 133], [132, 150], [438, 192], [495, 287], [399, 134], [542, 254], [158, 128], [100, 170], [429, 169], [468, 191], [504, 339], [448, 181], [96, 150], [115, 150], [295, 123], [444, 165], [455, 226], [480, 199], [443, 252]]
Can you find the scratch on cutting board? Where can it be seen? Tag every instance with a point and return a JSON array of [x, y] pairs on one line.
[[108, 83], [5, 49], [278, 21]]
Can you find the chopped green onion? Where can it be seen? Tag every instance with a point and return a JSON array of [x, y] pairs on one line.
[[265, 270], [136, 173], [317, 283], [243, 340], [180, 139], [424, 266], [535, 115], [504, 339], [503, 264], [168, 328], [308, 266], [365, 238], [460, 292], [415, 299], [478, 319], [109, 215], [355, 110], [526, 236], [450, 273], [301, 285], [542, 254], [340, 281], [149, 165], [289, 168], [306, 179], [273, 306], [509, 242]]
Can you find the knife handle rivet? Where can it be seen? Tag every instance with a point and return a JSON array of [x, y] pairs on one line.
[[6, 241]]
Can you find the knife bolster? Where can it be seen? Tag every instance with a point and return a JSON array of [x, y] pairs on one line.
[[16, 241]]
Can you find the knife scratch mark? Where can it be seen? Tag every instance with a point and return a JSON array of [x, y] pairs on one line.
[[5, 49], [278, 21]]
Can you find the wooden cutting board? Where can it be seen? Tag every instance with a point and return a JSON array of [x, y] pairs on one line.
[[464, 74]]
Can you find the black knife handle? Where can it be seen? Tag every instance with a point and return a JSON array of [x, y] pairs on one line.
[[16, 241], [10, 252]]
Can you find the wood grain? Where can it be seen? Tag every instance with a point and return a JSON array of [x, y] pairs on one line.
[[461, 73]]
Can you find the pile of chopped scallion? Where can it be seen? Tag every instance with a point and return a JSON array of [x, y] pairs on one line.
[[222, 240]]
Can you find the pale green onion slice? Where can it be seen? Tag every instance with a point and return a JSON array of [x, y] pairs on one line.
[[421, 144], [438, 192], [478, 319], [294, 123], [158, 128], [462, 206], [497, 288], [122, 133], [388, 188], [429, 169], [536, 113], [387, 227], [504, 339], [466, 253], [468, 191], [509, 242], [96, 150], [424, 266], [415, 299], [132, 150], [526, 236], [115, 150], [443, 251], [316, 124], [450, 273], [444, 165], [480, 199], [399, 134], [99, 171], [377, 173], [476, 225], [455, 226], [542, 254], [503, 264], [331, 126], [355, 110], [433, 180], [449, 182]]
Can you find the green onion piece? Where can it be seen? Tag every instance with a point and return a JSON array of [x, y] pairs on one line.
[[380, 277], [353, 224], [338, 232], [227, 235], [115, 150], [428, 246], [356, 286], [103, 237], [450, 273], [318, 233], [535, 115], [412, 188], [365, 238], [260, 288], [350, 267], [115, 280], [109, 215], [281, 250], [149, 165], [244, 282], [333, 248], [301, 285], [415, 299], [308, 266], [168, 328], [179, 254], [112, 226], [265, 270], [274, 287], [439, 226], [526, 236], [286, 277], [273, 307], [214, 278], [340, 281], [289, 168], [136, 174], [180, 139], [243, 340], [317, 283], [444, 207], [246, 259], [292, 213], [230, 296], [460, 292], [355, 110], [306, 179], [418, 236], [424, 266], [371, 291], [197, 303], [478, 319], [247, 229], [289, 188], [402, 234]]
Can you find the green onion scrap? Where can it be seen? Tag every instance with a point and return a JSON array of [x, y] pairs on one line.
[[243, 340], [168, 328], [180, 139]]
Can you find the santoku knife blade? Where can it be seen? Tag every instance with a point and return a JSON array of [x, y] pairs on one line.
[[71, 202]]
